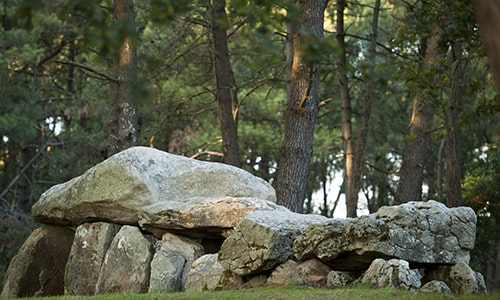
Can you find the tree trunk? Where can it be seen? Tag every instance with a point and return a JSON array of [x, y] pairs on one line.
[[351, 195], [122, 124], [358, 157], [453, 162], [224, 84], [301, 113], [487, 13], [418, 140]]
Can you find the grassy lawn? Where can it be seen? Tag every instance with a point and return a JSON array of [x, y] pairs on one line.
[[286, 293]]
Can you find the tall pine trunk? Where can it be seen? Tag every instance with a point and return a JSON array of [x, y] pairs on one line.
[[226, 108], [452, 113], [347, 136], [302, 109], [487, 14], [418, 140], [122, 123], [354, 146]]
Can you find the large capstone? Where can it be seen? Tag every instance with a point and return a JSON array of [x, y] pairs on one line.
[[160, 192], [421, 233]]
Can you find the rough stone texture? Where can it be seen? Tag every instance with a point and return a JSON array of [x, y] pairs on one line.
[[284, 274], [126, 267], [89, 248], [314, 272], [460, 278], [419, 232], [159, 191], [263, 240], [337, 279], [255, 281], [436, 287], [392, 273], [311, 273], [166, 272], [176, 254], [207, 274], [38, 267]]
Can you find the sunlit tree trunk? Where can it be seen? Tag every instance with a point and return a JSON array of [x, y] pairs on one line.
[[347, 136], [418, 140], [302, 110], [224, 83], [355, 146], [122, 123]]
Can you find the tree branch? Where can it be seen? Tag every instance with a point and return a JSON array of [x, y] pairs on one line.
[[197, 155], [87, 68]]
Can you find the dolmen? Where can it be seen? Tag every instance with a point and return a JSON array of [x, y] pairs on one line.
[[146, 221]]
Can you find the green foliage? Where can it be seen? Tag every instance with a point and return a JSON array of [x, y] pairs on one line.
[[482, 192], [48, 101]]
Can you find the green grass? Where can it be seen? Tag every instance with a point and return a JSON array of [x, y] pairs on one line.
[[286, 293]]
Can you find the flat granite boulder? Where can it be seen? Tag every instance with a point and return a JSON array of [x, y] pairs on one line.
[[263, 240], [160, 192], [422, 233]]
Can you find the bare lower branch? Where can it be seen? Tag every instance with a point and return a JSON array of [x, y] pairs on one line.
[[87, 68], [213, 153]]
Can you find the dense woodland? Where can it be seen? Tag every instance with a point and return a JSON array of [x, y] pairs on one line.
[[395, 97]]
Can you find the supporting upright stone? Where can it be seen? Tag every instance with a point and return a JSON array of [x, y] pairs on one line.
[[38, 267], [89, 248], [126, 267]]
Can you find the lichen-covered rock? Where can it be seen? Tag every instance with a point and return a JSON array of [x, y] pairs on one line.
[[92, 241], [263, 240], [284, 274], [460, 278], [419, 232], [166, 272], [394, 273], [311, 273], [38, 267], [126, 267], [207, 274], [159, 191], [436, 287], [337, 279], [175, 255]]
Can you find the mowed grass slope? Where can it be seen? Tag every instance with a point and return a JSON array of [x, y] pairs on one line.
[[286, 293]]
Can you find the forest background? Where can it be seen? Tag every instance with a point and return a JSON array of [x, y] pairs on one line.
[[392, 97]]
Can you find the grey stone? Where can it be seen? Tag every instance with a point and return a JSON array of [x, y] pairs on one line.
[[38, 267], [89, 248], [254, 281], [263, 240], [159, 191], [419, 232], [392, 273], [336, 279], [310, 273], [175, 255], [126, 267], [314, 272], [207, 274], [460, 278], [436, 287], [284, 274], [166, 272]]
